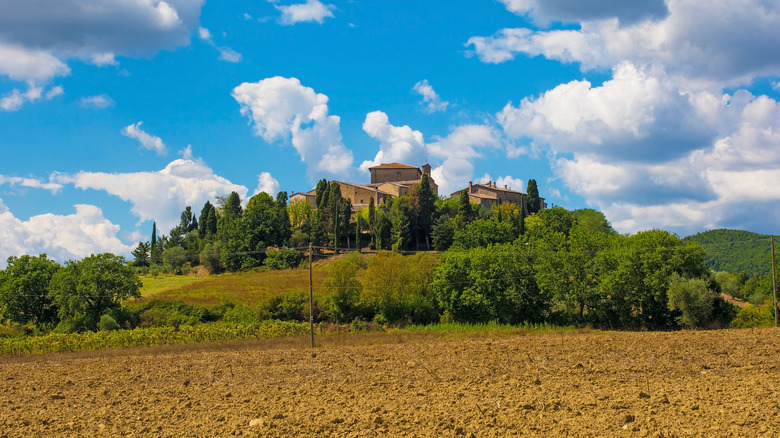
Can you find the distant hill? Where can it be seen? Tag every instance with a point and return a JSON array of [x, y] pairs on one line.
[[735, 251]]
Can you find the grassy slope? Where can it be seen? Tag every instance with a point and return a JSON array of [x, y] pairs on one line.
[[243, 287], [735, 251]]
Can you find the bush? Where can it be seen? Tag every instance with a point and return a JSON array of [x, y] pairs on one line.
[[294, 306], [693, 299], [754, 317], [282, 258], [107, 323], [242, 314]]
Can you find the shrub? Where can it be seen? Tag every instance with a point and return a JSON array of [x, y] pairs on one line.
[[107, 323], [693, 299], [282, 258], [294, 306]]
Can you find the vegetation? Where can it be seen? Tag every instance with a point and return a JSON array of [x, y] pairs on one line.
[[735, 251], [499, 265]]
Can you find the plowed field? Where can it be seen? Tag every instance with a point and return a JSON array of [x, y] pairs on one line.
[[715, 383]]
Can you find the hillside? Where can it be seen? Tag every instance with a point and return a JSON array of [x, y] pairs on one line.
[[735, 250]]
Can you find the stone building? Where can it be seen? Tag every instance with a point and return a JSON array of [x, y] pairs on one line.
[[487, 195], [388, 180]]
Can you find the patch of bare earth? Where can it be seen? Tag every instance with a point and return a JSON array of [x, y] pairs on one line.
[[714, 383]]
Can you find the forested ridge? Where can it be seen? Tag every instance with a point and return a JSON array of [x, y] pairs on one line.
[[735, 251]]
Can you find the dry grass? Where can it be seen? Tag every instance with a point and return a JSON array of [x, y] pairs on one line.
[[244, 287]]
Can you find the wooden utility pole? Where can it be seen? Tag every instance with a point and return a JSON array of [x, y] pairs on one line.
[[774, 277], [311, 298]]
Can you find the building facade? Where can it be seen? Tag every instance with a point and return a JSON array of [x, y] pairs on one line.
[[487, 195]]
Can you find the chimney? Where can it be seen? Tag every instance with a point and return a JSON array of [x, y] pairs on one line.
[[470, 187], [505, 187], [494, 184]]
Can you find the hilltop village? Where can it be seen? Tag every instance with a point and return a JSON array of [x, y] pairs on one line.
[[393, 180]]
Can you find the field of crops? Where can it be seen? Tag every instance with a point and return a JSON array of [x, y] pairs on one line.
[[547, 383]]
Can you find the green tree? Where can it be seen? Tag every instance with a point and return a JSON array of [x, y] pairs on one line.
[[203, 221], [693, 299], [483, 232], [465, 209], [371, 221], [299, 212], [174, 259], [321, 193], [403, 224], [24, 290], [443, 233], [495, 283], [345, 289], [89, 288], [155, 252], [534, 202], [141, 254]]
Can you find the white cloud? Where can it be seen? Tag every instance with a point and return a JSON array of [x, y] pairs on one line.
[[160, 196], [30, 183], [225, 53], [508, 182], [570, 11], [693, 43], [99, 101], [148, 141], [229, 55], [281, 109], [267, 183], [63, 238], [104, 59], [399, 144], [204, 33], [310, 11], [16, 99], [456, 151], [37, 37], [432, 101]]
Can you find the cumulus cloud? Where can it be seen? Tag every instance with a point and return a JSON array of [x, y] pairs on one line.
[[431, 99], [267, 183], [735, 162], [399, 144], [283, 110], [692, 42], [456, 151], [508, 182], [571, 11], [37, 37], [310, 11], [148, 141], [160, 196], [62, 237], [99, 101]]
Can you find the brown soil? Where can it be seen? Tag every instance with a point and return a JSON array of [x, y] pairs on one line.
[[715, 383]]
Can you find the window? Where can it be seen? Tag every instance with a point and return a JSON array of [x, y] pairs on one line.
[[399, 173]]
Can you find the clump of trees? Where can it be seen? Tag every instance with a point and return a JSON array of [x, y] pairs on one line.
[[40, 293]]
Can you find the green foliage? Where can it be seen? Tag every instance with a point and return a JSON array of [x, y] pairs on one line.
[[490, 284], [399, 288], [534, 202], [483, 232], [174, 259], [443, 233], [693, 299], [24, 290], [282, 258], [735, 251], [294, 306], [141, 254], [144, 337], [86, 289], [107, 323], [345, 290], [635, 277], [210, 257], [754, 317]]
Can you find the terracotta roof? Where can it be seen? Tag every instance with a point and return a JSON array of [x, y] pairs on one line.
[[394, 166]]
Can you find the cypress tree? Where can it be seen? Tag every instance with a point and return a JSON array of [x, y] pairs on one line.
[[534, 203]]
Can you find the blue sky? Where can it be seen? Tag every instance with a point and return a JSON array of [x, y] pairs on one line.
[[659, 114]]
